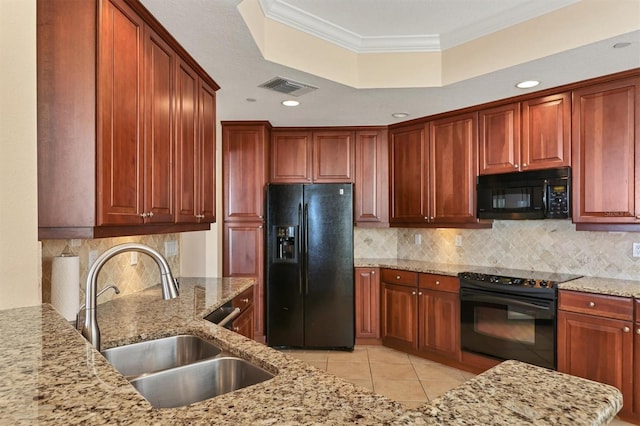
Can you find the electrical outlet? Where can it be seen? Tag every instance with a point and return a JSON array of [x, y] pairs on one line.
[[93, 255], [171, 248], [76, 242], [417, 238], [458, 241], [636, 249]]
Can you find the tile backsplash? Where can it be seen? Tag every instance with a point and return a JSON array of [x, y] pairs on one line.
[[118, 270], [543, 245]]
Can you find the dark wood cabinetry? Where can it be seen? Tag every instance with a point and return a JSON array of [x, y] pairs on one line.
[[306, 155], [244, 165], [109, 117], [371, 193], [529, 135], [433, 170], [636, 362], [367, 299], [244, 323], [605, 135], [595, 340], [420, 314]]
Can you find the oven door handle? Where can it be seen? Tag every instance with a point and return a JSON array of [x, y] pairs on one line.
[[502, 300]]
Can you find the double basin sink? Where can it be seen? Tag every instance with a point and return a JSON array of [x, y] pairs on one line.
[[180, 370]]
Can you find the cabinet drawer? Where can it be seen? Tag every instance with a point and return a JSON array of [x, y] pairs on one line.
[[439, 282], [596, 304], [243, 300], [394, 276]]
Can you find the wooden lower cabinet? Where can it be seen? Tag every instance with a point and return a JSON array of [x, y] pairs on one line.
[[243, 324], [367, 292], [597, 347], [421, 318], [636, 363]]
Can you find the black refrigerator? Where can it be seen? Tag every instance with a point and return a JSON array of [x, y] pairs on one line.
[[309, 266]]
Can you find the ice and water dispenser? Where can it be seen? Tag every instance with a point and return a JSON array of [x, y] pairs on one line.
[[285, 243]]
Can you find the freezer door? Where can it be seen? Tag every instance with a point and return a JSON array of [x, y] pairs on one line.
[[328, 256], [285, 305]]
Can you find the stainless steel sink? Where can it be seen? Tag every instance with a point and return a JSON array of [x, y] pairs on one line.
[[160, 354], [196, 382]]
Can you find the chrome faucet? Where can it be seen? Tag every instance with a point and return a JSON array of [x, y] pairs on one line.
[[90, 329]]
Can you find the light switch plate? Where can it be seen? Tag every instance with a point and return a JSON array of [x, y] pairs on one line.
[[171, 248], [636, 249]]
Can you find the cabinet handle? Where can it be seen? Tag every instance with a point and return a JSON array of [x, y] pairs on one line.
[[625, 329], [592, 304], [638, 216]]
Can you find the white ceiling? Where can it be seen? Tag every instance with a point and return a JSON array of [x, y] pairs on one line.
[[217, 37]]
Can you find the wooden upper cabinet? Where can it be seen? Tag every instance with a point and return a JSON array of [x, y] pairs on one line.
[[408, 163], [159, 179], [186, 143], [305, 156], [546, 132], [605, 137], [113, 106], [333, 156], [244, 167], [499, 139], [120, 116], [453, 169], [371, 192], [291, 153], [207, 153]]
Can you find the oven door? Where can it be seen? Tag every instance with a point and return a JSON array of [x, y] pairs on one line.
[[508, 326]]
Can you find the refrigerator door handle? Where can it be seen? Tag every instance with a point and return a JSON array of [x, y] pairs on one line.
[[300, 248], [306, 248]]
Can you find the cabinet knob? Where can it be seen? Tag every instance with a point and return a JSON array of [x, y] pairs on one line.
[[592, 304], [397, 277], [626, 329], [150, 214], [426, 218], [419, 293], [373, 272], [143, 215], [236, 329], [524, 164], [260, 227], [437, 282], [515, 166], [637, 330], [245, 300], [431, 218], [638, 216], [413, 292]]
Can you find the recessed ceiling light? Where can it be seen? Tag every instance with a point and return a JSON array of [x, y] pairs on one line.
[[527, 84], [621, 45], [400, 114], [290, 102]]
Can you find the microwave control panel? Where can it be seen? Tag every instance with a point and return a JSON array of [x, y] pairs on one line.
[[558, 201]]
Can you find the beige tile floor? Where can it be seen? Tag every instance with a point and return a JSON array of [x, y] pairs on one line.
[[410, 380]]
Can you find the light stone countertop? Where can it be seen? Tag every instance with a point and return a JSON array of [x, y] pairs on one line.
[[601, 285], [49, 374]]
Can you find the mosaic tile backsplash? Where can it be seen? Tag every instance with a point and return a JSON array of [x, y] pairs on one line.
[[542, 245], [118, 270]]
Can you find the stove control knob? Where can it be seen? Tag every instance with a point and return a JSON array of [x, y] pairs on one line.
[[544, 284], [531, 283]]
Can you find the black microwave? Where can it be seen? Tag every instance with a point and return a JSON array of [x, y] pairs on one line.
[[536, 194]]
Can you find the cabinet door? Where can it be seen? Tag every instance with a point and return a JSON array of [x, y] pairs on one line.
[[453, 169], [243, 245], [605, 137], [499, 139], [371, 193], [439, 326], [408, 169], [546, 132], [206, 158], [599, 349], [636, 365], [367, 295], [159, 130], [244, 168], [186, 144], [244, 323], [399, 316], [120, 115], [290, 156], [333, 156]]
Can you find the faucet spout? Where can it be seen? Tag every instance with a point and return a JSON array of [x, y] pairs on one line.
[[90, 329]]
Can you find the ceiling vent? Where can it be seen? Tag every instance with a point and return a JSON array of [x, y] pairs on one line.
[[288, 87]]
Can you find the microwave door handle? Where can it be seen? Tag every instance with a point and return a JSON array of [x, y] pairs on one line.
[[503, 300]]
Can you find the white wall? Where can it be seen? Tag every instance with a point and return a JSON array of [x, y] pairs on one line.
[[19, 247]]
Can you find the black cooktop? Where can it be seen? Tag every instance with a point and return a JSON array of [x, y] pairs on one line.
[[513, 279]]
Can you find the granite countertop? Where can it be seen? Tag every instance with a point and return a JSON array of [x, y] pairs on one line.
[[601, 285], [52, 375]]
